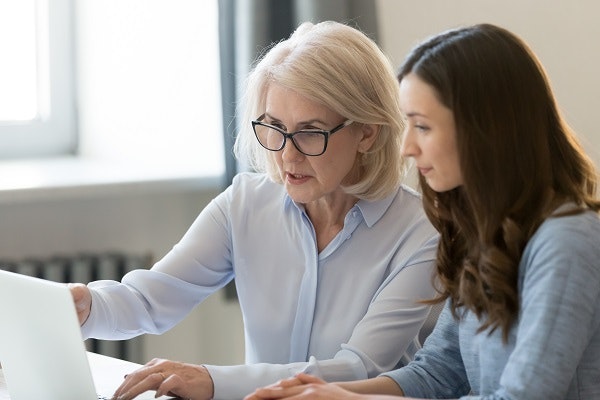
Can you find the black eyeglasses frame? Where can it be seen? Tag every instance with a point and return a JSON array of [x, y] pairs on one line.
[[286, 135]]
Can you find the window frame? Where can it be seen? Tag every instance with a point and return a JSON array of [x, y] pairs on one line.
[[54, 131]]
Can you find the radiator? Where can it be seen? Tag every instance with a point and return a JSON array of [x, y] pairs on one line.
[[83, 268]]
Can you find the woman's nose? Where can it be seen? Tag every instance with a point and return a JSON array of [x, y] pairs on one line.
[[409, 147], [290, 152]]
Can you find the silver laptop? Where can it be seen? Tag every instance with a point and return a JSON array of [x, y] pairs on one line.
[[41, 348]]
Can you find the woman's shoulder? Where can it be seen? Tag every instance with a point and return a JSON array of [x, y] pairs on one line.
[[562, 258], [566, 226], [248, 193], [250, 178], [563, 238], [409, 201], [253, 181], [404, 210], [410, 193], [254, 186]]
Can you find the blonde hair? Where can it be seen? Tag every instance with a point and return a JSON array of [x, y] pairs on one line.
[[341, 68]]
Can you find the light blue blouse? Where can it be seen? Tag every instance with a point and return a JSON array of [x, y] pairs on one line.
[[553, 351], [348, 312]]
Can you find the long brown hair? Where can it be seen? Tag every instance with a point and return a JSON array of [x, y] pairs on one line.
[[518, 157]]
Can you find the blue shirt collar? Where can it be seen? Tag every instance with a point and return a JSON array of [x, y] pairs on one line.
[[371, 210]]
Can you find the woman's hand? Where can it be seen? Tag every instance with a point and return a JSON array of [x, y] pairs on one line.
[[302, 386], [168, 378], [269, 392], [83, 300]]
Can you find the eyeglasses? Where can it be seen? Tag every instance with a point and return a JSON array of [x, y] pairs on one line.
[[311, 142]]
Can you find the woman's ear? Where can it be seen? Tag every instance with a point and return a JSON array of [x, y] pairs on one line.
[[369, 134]]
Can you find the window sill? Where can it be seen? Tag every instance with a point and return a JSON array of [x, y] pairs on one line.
[[73, 177]]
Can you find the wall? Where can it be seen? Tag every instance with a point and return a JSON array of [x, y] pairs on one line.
[[562, 33]]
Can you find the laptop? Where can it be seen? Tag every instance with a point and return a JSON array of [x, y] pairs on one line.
[[42, 353]]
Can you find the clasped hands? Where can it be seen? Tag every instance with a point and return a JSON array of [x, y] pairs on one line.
[[167, 378]]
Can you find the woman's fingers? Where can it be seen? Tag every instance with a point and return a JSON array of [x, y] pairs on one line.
[[166, 377], [306, 378], [82, 299], [286, 388], [137, 383]]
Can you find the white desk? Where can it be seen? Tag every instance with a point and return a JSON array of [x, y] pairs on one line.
[[108, 374]]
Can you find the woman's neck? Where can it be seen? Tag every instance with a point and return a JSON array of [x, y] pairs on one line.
[[327, 216]]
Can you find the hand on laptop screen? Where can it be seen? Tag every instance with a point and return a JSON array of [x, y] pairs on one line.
[[83, 300]]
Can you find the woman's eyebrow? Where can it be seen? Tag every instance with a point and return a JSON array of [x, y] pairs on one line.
[[306, 122], [415, 114]]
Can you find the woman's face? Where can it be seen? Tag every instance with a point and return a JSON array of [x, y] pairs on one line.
[[310, 178], [430, 135]]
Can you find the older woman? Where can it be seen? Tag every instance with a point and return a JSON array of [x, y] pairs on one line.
[[331, 255]]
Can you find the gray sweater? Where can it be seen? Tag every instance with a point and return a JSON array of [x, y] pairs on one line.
[[553, 350]]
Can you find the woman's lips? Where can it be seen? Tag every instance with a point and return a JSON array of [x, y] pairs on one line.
[[424, 171], [296, 179]]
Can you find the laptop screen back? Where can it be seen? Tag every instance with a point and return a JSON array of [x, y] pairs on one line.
[[41, 349]]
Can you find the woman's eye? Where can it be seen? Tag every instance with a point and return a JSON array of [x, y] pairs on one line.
[[277, 125], [421, 128]]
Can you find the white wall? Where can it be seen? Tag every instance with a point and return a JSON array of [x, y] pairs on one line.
[[564, 35]]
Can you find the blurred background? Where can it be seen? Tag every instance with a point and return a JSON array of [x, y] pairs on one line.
[[117, 119]]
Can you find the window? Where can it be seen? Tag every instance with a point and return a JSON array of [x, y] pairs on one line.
[[37, 108], [149, 83], [145, 77]]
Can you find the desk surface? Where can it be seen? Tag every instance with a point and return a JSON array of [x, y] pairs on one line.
[[107, 372]]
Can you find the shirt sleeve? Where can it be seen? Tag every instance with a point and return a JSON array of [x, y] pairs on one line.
[[120, 311], [560, 300], [143, 302], [437, 370]]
